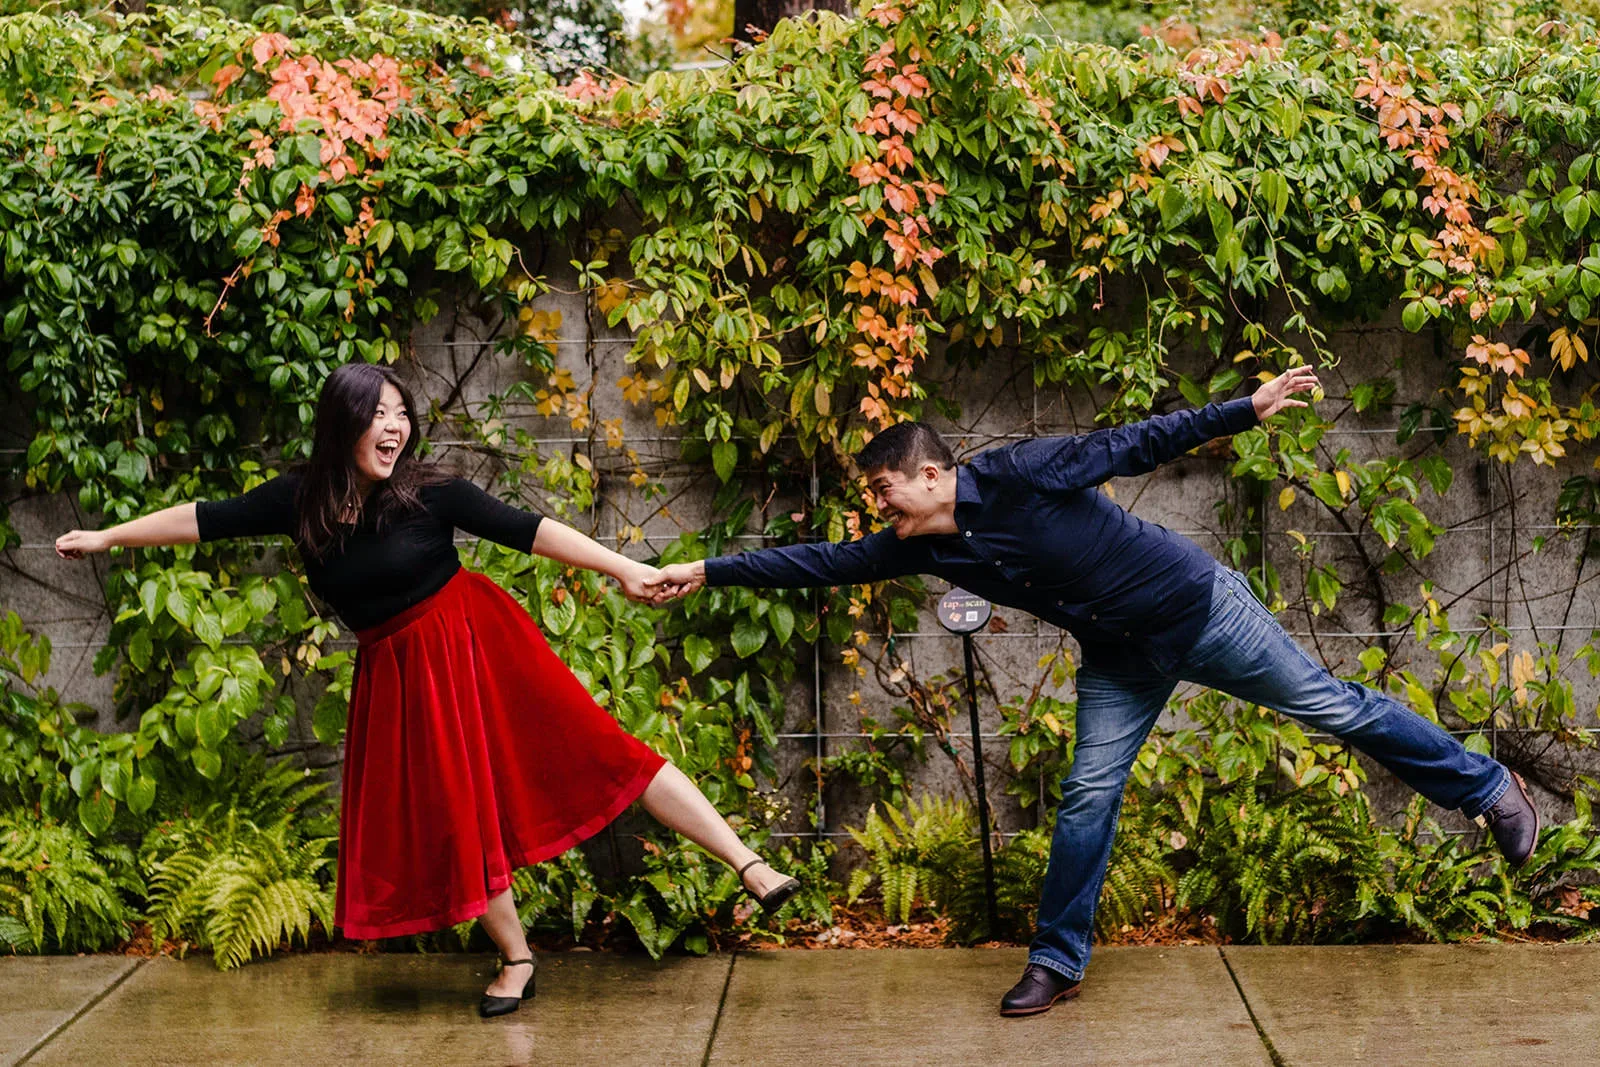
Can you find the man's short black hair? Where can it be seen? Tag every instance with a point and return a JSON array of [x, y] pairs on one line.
[[905, 447]]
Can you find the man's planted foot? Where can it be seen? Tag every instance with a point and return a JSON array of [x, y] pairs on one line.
[[1039, 989], [1514, 822]]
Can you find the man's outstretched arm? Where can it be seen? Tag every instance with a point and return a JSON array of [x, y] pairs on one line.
[[873, 558], [1088, 459]]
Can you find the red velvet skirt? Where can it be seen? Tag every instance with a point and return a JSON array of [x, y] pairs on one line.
[[471, 751]]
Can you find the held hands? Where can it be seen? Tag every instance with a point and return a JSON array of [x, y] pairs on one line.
[[674, 581], [644, 584], [1275, 395], [75, 544]]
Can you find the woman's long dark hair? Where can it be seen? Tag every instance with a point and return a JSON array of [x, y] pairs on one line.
[[330, 487]]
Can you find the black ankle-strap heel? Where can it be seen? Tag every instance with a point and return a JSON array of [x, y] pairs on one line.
[[489, 1007], [776, 897]]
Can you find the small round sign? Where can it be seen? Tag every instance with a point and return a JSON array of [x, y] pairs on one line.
[[962, 612]]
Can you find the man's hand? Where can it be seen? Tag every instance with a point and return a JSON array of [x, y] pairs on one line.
[[1275, 395], [676, 580]]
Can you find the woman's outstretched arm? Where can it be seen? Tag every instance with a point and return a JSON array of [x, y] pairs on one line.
[[472, 509], [566, 545], [169, 526]]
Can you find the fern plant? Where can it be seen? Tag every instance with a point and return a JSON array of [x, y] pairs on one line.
[[1292, 866], [1019, 869], [241, 877], [58, 890], [1140, 880], [558, 892], [1434, 886], [907, 852]]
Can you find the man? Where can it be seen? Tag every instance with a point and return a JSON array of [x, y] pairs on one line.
[[1024, 525]]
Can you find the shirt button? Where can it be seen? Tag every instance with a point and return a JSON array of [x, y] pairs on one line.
[[1028, 585], [1060, 602], [1093, 616], [1125, 633], [969, 533], [997, 563]]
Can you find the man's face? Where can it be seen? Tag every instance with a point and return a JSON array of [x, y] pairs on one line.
[[907, 502]]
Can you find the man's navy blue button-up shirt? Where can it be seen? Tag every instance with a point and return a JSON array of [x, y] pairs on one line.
[[1034, 532]]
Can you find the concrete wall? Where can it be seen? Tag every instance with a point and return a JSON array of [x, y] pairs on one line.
[[1472, 567]]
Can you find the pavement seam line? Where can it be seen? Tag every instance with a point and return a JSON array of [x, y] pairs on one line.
[[722, 1002], [1266, 1042], [88, 1006]]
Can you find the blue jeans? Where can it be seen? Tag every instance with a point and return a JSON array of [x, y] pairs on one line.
[[1241, 651]]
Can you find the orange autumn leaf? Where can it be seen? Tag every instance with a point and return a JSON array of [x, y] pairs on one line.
[[225, 77], [268, 46]]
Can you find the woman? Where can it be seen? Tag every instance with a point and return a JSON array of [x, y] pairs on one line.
[[471, 750]]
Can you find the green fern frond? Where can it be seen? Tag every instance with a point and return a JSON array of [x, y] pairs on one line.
[[906, 852], [243, 877], [57, 890]]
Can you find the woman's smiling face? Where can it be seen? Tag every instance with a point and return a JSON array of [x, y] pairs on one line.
[[380, 446]]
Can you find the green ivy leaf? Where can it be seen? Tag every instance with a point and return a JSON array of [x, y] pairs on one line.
[[1173, 204], [183, 723], [208, 628], [1576, 214], [207, 762], [781, 618], [382, 235], [558, 618], [1439, 473], [180, 606], [1578, 169], [1326, 488], [699, 652], [210, 725], [340, 206], [83, 775], [96, 811], [112, 778], [140, 650], [141, 794], [748, 636], [328, 719], [724, 457], [1414, 317]]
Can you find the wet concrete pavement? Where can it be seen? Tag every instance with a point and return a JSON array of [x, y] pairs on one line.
[[1411, 1004]]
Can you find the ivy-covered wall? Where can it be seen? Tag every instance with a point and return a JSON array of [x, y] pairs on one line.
[[669, 311]]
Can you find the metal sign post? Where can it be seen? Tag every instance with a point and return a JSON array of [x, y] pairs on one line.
[[965, 613]]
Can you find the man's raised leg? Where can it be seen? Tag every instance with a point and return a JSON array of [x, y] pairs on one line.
[[1244, 652]]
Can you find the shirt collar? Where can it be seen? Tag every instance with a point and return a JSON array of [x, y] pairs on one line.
[[967, 497]]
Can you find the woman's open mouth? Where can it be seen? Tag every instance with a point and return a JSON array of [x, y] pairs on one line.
[[388, 451]]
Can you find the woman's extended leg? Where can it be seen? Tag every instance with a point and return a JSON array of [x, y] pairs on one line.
[[505, 929], [680, 806]]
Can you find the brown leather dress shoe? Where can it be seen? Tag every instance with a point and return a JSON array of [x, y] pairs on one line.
[[1513, 821], [1038, 991]]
